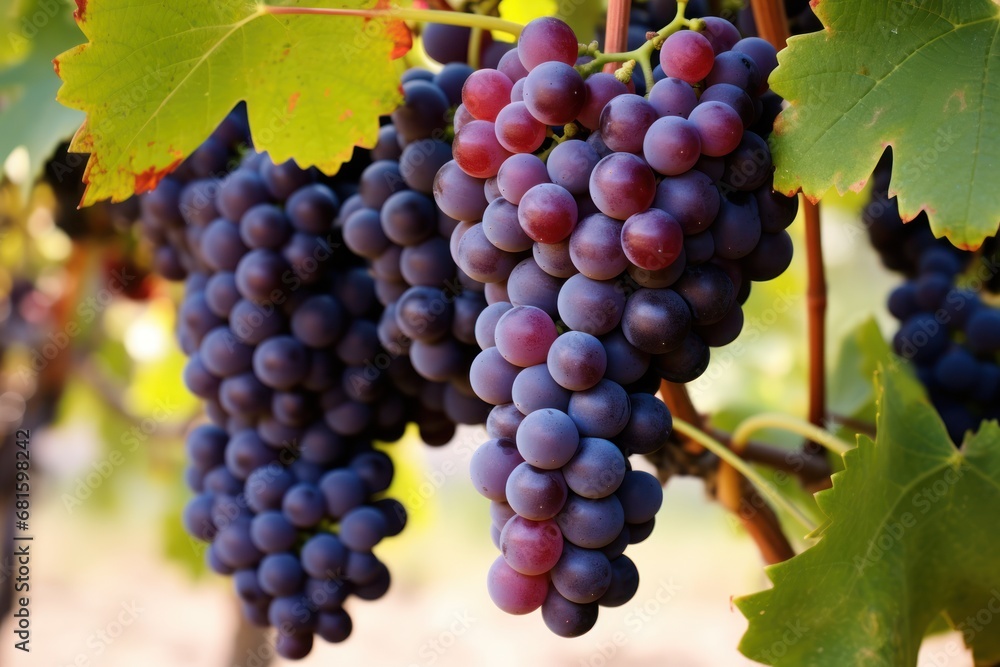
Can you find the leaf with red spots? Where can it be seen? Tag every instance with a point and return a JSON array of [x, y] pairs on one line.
[[32, 33], [156, 78], [921, 77]]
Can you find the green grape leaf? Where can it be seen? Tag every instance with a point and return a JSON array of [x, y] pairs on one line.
[[911, 534], [156, 79], [921, 77], [29, 113], [16, 43], [852, 392]]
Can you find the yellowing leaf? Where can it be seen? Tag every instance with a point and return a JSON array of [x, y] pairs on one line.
[[922, 77], [157, 77]]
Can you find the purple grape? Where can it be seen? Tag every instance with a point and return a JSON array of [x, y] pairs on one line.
[[566, 618], [534, 493], [625, 121], [524, 334], [719, 126], [597, 469], [591, 523], [491, 467], [577, 361], [672, 97], [622, 185], [547, 439], [672, 146], [591, 306], [518, 174], [546, 39], [513, 592], [581, 575], [600, 88], [656, 320], [554, 93], [595, 247], [534, 389], [692, 199], [531, 547], [601, 411], [687, 55]]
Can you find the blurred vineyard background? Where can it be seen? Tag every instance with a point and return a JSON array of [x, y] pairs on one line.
[[90, 365]]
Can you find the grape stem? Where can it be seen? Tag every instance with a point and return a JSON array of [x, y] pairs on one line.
[[475, 46], [643, 54], [476, 37], [741, 436], [569, 131], [733, 459], [406, 14]]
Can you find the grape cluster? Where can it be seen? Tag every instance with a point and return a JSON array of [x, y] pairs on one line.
[[617, 237], [946, 329], [953, 338], [280, 322], [430, 306]]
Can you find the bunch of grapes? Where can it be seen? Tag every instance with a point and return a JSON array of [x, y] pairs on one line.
[[947, 329], [430, 306], [617, 237], [280, 321]]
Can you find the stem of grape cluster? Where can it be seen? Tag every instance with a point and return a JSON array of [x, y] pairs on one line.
[[747, 470], [407, 14], [642, 54], [741, 436], [476, 37], [475, 46]]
